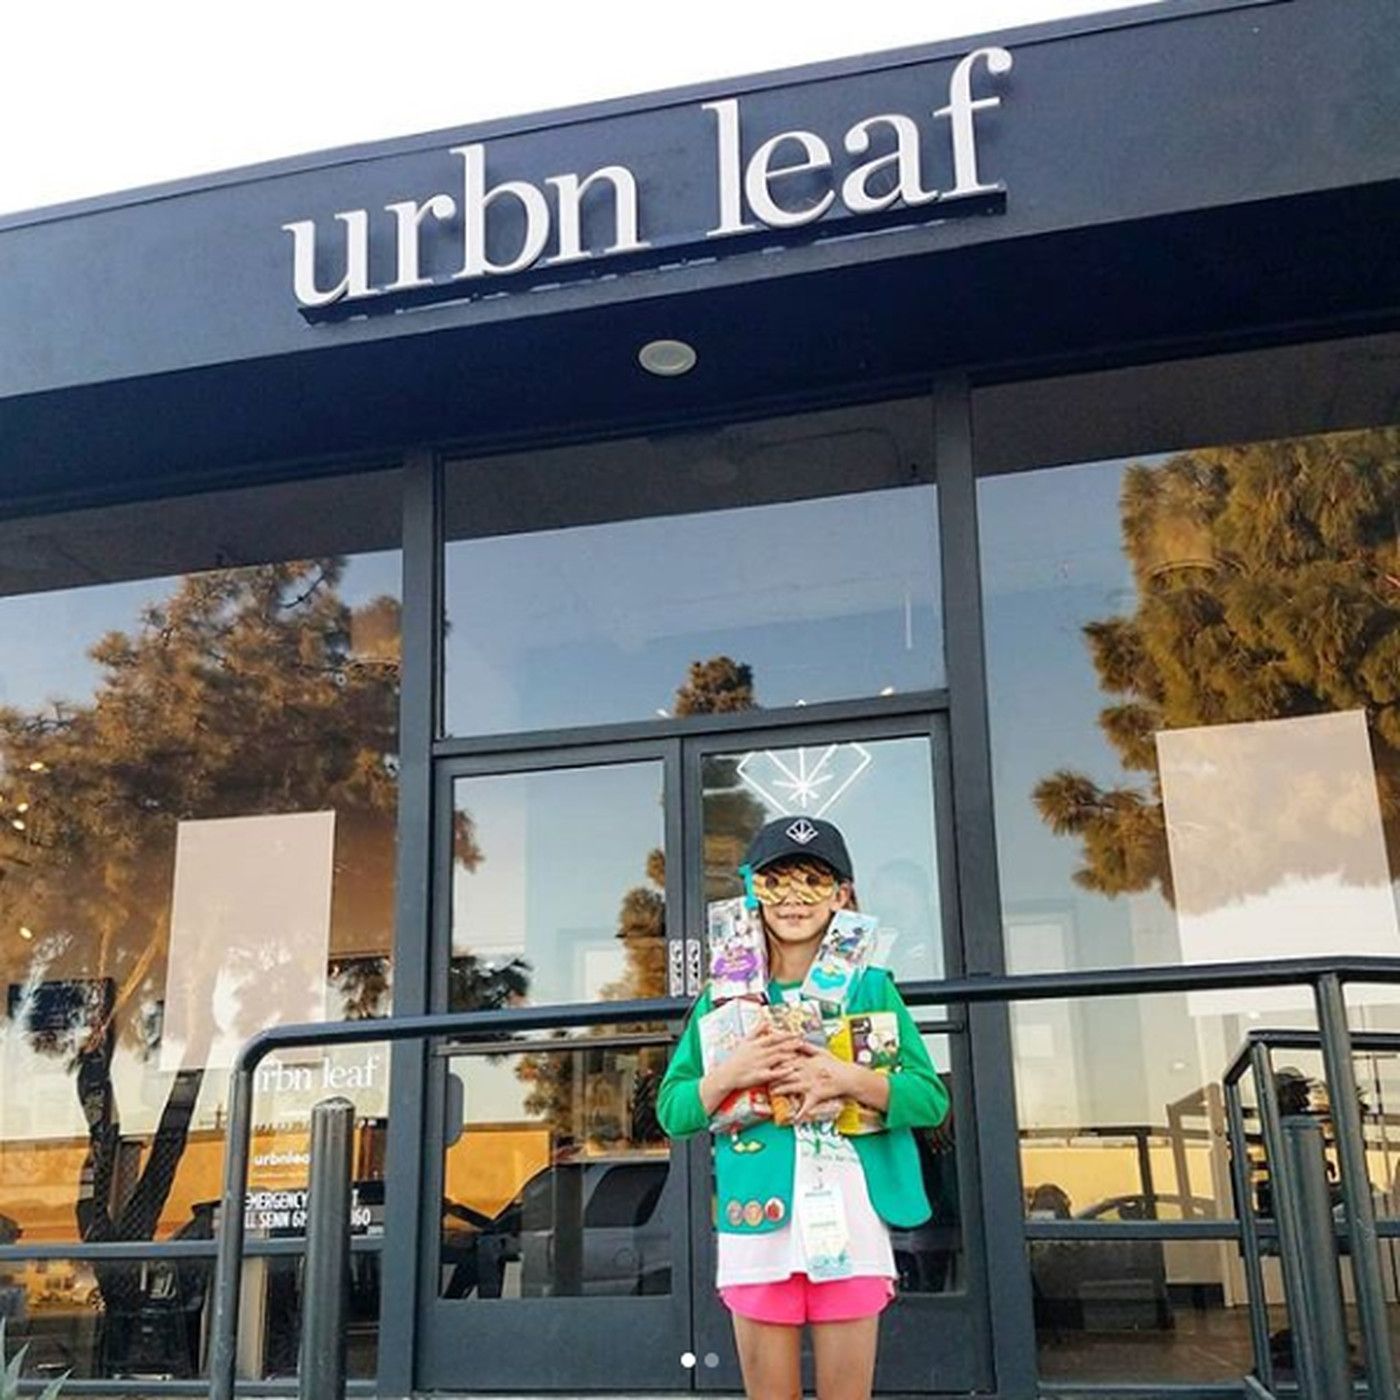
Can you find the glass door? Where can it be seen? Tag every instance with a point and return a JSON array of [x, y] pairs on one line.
[[574, 1245], [560, 1255], [885, 784]]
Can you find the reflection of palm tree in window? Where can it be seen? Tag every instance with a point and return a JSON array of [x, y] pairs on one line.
[[1268, 588]]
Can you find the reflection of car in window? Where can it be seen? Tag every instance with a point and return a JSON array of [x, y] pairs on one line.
[[593, 1227], [616, 1246], [584, 1227]]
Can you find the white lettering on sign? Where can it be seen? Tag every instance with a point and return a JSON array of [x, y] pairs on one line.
[[286, 1210], [274, 1077], [787, 182]]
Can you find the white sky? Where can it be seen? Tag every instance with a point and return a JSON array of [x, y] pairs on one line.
[[98, 96]]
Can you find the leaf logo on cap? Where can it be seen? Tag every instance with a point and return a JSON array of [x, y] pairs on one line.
[[802, 832]]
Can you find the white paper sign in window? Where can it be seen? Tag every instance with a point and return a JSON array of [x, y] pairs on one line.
[[1277, 848], [250, 929]]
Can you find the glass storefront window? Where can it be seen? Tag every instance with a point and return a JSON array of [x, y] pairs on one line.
[[611, 582], [558, 886], [198, 785], [1192, 663]]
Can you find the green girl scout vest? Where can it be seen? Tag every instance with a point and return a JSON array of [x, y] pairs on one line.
[[754, 1167]]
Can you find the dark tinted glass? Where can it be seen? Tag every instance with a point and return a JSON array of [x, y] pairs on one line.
[[771, 564], [556, 1184]]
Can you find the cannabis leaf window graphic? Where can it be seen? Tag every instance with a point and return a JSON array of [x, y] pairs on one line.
[[803, 780]]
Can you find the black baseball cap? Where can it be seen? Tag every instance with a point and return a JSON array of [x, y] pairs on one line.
[[807, 837]]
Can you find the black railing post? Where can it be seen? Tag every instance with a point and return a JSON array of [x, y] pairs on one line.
[[1303, 1210], [325, 1281], [1356, 1183], [228, 1265]]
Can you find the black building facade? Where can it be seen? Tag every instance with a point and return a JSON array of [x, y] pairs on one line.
[[422, 566]]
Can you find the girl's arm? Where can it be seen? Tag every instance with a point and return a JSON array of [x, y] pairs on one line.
[[918, 1098], [680, 1106]]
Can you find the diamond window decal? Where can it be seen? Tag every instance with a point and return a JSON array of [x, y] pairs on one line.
[[803, 780]]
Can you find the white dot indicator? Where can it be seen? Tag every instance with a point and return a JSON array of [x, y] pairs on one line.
[[688, 1360], [712, 1359]]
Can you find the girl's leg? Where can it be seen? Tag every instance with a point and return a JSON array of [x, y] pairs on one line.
[[770, 1357], [845, 1357]]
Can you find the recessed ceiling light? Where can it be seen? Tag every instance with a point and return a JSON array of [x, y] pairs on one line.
[[668, 358]]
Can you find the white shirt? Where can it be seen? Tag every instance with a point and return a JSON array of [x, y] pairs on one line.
[[825, 1158]]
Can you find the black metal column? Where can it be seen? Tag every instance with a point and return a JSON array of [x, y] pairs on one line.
[[228, 1266], [401, 1265], [1304, 1212], [1356, 1183], [325, 1280], [1012, 1320]]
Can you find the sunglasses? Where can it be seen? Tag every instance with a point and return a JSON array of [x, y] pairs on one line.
[[801, 882]]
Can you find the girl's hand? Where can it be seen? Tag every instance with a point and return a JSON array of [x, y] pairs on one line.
[[755, 1063], [819, 1081]]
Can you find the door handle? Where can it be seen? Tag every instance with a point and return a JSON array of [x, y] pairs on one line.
[[675, 968], [455, 1112], [694, 967]]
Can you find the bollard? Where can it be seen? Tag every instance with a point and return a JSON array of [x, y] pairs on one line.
[[1362, 1239], [325, 1290], [1303, 1209]]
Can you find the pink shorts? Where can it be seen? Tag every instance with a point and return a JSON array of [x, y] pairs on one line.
[[797, 1299]]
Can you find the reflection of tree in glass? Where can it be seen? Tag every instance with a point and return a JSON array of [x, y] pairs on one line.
[[732, 815], [361, 985], [241, 694], [1268, 587], [476, 985]]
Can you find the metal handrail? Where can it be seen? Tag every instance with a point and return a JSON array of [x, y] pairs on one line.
[[1255, 1058], [1277, 1038], [1325, 975]]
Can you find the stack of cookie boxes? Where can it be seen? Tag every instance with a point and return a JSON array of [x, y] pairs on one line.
[[816, 1010]]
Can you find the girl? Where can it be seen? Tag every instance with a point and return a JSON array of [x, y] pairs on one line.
[[803, 1212]]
